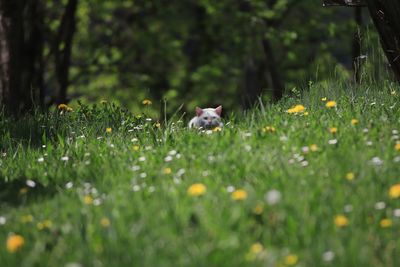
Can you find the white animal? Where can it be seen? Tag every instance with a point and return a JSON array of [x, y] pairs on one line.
[[207, 118]]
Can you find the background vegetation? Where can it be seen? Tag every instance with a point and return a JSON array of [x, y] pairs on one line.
[[185, 52]]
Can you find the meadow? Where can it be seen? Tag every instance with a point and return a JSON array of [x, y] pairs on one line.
[[313, 180]]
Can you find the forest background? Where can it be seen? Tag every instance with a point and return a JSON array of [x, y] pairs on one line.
[[182, 54]]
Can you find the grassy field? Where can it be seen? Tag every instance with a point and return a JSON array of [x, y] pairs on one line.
[[98, 186]]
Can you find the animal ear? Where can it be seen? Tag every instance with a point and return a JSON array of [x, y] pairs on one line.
[[199, 111], [218, 110]]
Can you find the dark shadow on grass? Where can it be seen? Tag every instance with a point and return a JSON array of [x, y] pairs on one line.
[[20, 192]]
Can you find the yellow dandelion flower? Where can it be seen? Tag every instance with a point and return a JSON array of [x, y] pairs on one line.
[[313, 147], [136, 148], [394, 191], [157, 125], [350, 176], [323, 99], [108, 130], [341, 221], [26, 218], [23, 190], [385, 223], [64, 107], [105, 222], [354, 122], [46, 224], [296, 109], [40, 226], [15, 243], [269, 129], [306, 113], [256, 248], [291, 259], [167, 170], [88, 200], [258, 210], [239, 195], [196, 190], [330, 104], [397, 147], [217, 129], [333, 130], [146, 102]]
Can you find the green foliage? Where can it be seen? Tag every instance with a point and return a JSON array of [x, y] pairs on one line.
[[195, 53], [107, 197]]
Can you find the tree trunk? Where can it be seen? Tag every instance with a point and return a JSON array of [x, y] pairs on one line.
[[386, 16], [34, 45], [11, 39], [63, 48], [272, 71], [252, 88]]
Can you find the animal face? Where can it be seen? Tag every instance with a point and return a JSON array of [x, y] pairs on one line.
[[209, 118]]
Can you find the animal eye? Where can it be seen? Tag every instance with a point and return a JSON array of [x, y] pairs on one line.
[[206, 118], [214, 117]]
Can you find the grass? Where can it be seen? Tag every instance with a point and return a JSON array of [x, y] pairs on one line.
[[120, 198]]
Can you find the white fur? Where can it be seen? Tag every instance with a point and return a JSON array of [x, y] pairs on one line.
[[197, 121]]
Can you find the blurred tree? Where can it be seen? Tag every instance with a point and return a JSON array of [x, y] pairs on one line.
[[25, 36], [62, 49], [386, 16], [10, 38], [194, 52], [21, 46]]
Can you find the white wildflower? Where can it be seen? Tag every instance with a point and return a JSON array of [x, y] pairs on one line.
[[30, 183], [135, 168], [136, 188], [328, 256], [332, 141], [348, 208], [376, 161], [272, 197], [380, 205], [180, 172], [69, 185], [168, 159], [172, 152], [230, 188], [305, 149], [396, 213]]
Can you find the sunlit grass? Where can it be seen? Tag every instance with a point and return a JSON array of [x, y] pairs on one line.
[[310, 181]]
